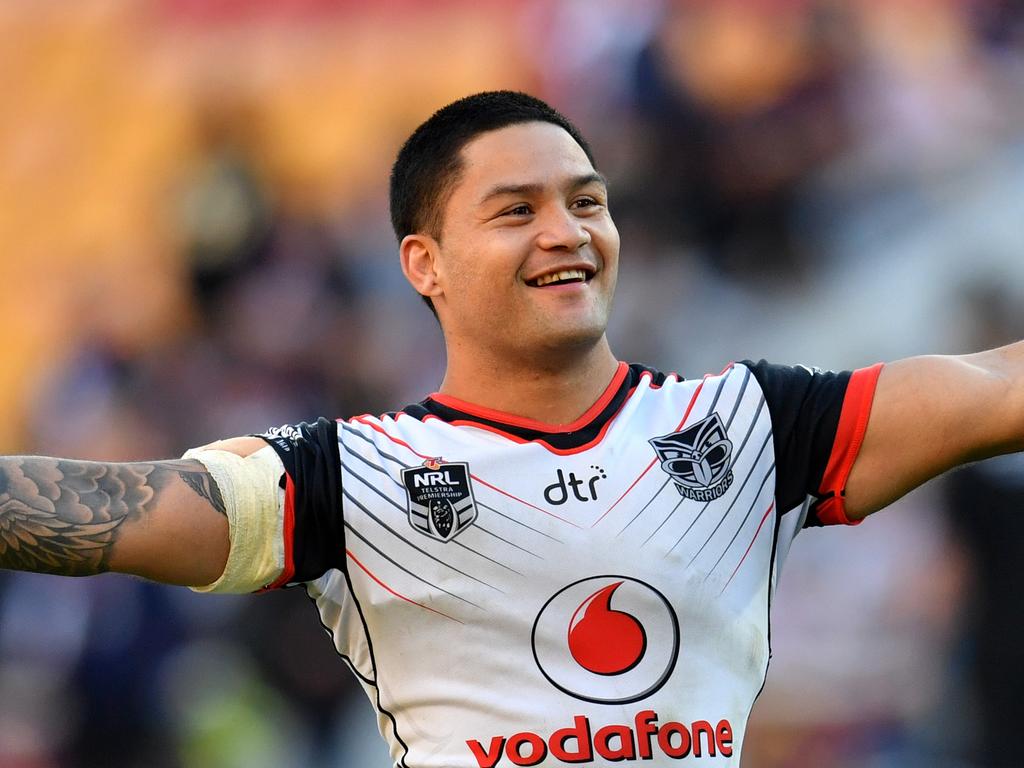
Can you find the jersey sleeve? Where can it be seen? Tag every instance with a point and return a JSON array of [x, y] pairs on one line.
[[312, 527], [818, 423]]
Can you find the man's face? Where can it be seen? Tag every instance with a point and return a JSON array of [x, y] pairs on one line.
[[528, 253]]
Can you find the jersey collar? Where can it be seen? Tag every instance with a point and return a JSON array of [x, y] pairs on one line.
[[581, 434]]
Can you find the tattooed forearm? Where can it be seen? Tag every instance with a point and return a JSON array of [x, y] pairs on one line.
[[65, 517], [61, 516]]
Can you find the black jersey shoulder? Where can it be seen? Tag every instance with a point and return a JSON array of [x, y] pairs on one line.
[[315, 533], [576, 439], [805, 405]]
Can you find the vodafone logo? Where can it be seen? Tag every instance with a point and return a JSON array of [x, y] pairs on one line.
[[607, 640]]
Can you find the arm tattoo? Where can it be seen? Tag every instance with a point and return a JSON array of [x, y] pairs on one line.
[[198, 478], [63, 517]]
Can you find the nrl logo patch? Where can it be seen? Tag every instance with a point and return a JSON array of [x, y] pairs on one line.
[[440, 498], [698, 459]]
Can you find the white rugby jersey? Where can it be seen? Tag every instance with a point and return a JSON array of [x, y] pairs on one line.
[[511, 593]]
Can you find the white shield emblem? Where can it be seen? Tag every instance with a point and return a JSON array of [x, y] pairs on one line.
[[440, 498]]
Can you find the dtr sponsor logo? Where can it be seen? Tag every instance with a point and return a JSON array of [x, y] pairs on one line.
[[558, 492]]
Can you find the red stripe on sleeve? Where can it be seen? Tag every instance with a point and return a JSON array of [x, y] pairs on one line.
[[289, 534], [853, 423]]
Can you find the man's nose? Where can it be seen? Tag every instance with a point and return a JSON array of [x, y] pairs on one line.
[[561, 230]]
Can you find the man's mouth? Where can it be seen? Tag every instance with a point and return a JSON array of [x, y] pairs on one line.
[[562, 277]]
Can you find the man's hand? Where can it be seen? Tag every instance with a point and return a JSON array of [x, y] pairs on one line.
[[933, 413], [162, 520]]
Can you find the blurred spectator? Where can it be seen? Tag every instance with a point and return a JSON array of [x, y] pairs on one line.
[[225, 213], [985, 502], [741, 102]]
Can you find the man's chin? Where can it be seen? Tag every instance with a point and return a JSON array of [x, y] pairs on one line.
[[569, 341], [552, 339]]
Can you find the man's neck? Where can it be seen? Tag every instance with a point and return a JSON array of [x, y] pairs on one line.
[[554, 391]]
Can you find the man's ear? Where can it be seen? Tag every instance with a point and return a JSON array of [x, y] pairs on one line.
[[419, 253]]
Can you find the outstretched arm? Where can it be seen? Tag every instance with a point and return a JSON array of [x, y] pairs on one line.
[[161, 520], [933, 413]]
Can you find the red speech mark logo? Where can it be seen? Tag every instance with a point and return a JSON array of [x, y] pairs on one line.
[[607, 639]]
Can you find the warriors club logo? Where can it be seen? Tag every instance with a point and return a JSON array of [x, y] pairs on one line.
[[697, 459], [440, 498], [607, 640]]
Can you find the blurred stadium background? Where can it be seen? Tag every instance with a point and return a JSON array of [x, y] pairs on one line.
[[195, 245]]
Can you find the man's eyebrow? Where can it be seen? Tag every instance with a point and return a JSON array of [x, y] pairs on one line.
[[532, 189]]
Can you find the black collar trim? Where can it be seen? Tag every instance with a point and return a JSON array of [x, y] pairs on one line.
[[580, 438]]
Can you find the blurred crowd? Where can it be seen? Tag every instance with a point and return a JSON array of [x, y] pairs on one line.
[[193, 207]]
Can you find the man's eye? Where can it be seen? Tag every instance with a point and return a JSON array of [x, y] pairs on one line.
[[519, 210], [585, 202]]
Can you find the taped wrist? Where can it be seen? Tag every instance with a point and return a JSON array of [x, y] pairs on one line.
[[254, 502]]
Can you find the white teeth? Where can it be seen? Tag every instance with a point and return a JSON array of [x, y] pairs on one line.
[[554, 277]]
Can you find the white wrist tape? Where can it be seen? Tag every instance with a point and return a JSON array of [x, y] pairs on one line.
[[254, 501]]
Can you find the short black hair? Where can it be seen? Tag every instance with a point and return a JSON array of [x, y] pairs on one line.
[[429, 163]]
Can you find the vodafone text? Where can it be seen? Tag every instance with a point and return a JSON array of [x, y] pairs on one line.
[[645, 739]]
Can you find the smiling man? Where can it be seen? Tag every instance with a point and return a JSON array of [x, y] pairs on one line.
[[558, 557], [518, 255]]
